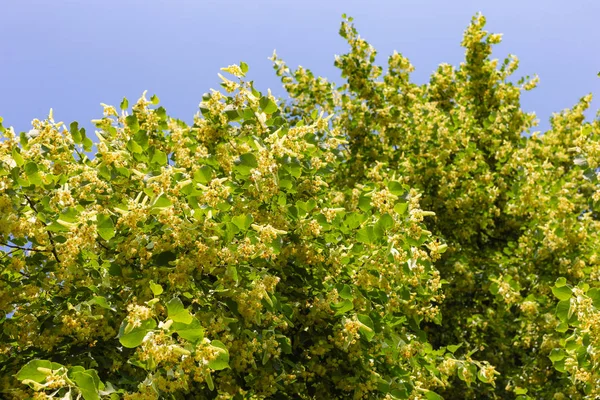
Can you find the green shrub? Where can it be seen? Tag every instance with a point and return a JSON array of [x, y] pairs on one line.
[[378, 239]]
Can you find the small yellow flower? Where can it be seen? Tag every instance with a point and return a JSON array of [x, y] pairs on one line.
[[234, 70]]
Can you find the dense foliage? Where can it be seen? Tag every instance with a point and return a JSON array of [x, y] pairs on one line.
[[378, 239]]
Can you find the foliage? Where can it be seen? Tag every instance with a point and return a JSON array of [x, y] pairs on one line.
[[308, 248]]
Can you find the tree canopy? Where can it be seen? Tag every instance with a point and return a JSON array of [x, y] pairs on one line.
[[370, 239]]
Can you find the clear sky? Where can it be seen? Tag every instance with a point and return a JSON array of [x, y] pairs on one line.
[[71, 55]]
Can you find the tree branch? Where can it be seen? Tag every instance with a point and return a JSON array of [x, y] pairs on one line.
[[32, 205], [12, 246], [102, 245]]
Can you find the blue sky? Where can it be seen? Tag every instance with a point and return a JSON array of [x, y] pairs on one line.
[[73, 55]]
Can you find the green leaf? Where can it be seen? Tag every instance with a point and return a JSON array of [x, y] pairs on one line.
[[561, 282], [368, 235], [557, 355], [132, 122], [154, 99], [453, 347], [346, 292], [31, 170], [135, 336], [594, 294], [342, 307], [105, 226], [267, 105], [16, 155], [161, 113], [162, 202], [86, 384], [255, 92], [401, 208], [76, 368], [494, 288], [562, 310], [364, 203], [562, 292], [433, 396], [177, 312], [123, 171], [559, 365], [134, 147], [209, 380], [192, 332], [203, 174], [124, 104], [32, 371], [100, 301], [222, 359], [562, 327], [97, 382], [385, 222], [56, 227], [243, 222], [229, 231], [246, 163], [159, 157], [232, 273], [156, 288], [367, 328], [87, 142], [294, 169], [244, 67], [396, 188], [141, 138], [400, 394], [23, 139], [232, 113], [75, 134]]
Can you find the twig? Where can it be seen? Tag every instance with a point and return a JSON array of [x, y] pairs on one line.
[[12, 246], [32, 205], [102, 245]]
